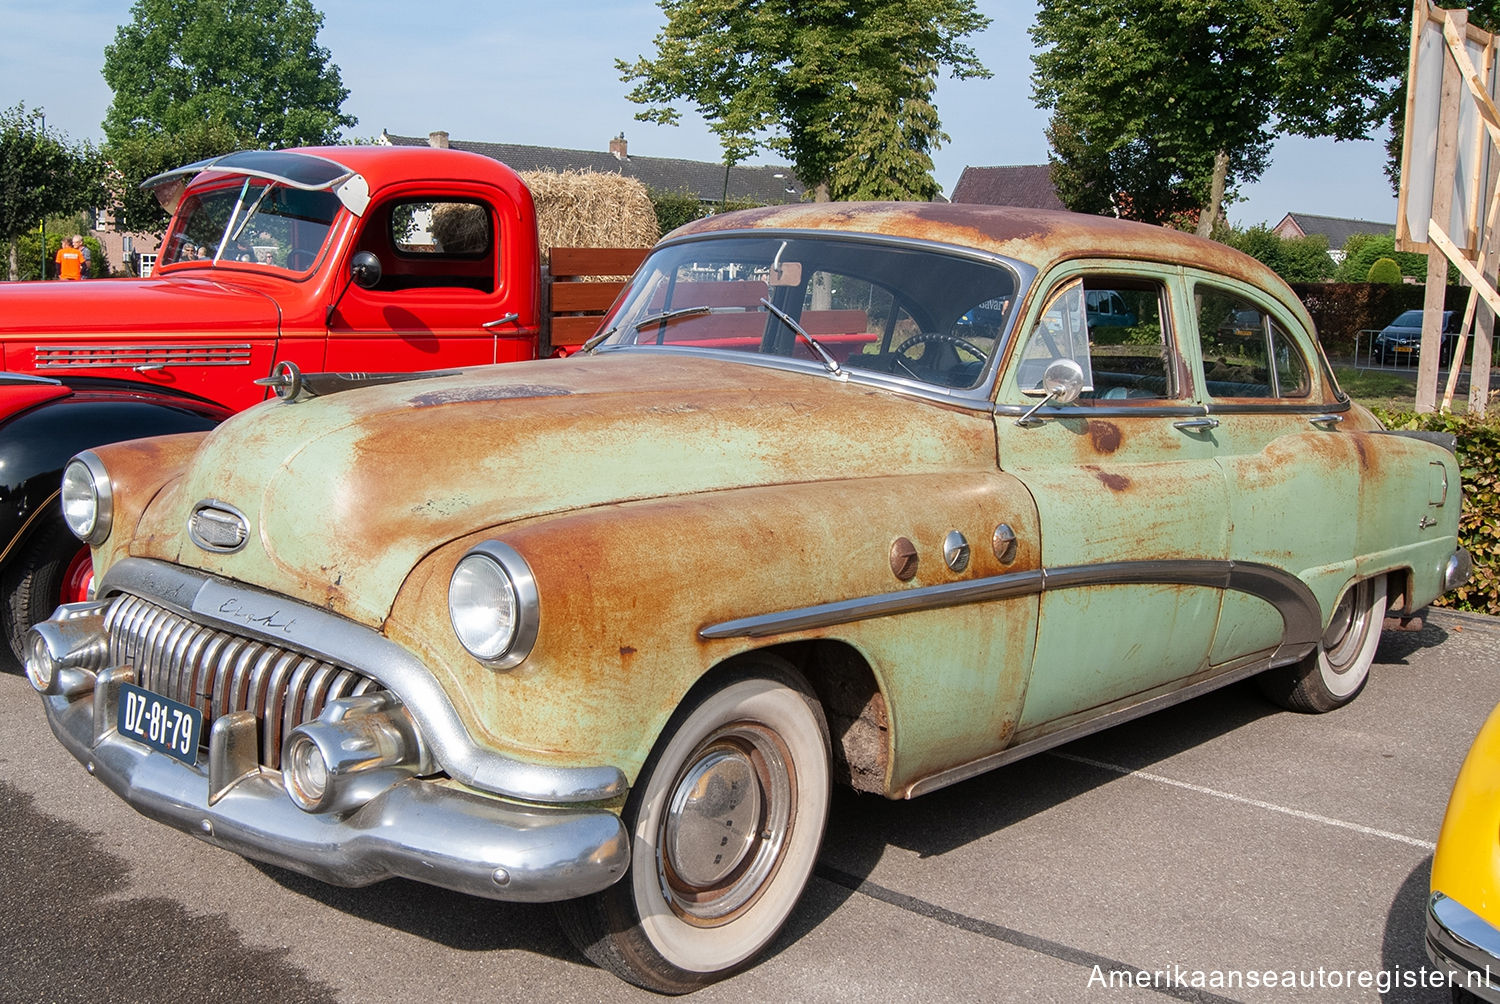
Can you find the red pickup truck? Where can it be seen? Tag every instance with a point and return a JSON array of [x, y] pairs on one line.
[[331, 259]]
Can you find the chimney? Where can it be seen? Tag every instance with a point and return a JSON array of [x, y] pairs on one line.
[[438, 140], [617, 147]]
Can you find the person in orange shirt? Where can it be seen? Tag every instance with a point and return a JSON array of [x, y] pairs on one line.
[[69, 261]]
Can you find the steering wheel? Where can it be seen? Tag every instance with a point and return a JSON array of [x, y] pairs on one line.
[[300, 259], [932, 337]]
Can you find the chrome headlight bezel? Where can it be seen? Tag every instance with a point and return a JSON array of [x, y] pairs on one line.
[[87, 499], [493, 605]]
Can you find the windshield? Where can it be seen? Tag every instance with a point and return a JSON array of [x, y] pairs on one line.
[[842, 304], [251, 220]]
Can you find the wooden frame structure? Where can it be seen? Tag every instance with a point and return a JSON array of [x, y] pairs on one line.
[[1449, 201]]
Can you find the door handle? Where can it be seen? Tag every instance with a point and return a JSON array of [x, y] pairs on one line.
[[1196, 424], [1329, 420]]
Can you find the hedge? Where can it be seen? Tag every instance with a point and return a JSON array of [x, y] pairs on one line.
[[1343, 309], [1479, 524]]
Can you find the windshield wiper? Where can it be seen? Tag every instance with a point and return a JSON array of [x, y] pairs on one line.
[[829, 363], [671, 315]]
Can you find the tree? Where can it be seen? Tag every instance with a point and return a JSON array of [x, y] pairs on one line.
[[1175, 95], [197, 78], [841, 88], [1386, 272], [42, 175]]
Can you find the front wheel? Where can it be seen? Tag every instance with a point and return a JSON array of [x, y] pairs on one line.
[[726, 820], [51, 568], [1335, 672]]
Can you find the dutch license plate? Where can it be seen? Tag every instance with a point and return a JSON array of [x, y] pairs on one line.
[[160, 723]]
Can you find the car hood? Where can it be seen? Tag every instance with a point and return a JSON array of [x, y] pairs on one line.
[[344, 494], [115, 306]]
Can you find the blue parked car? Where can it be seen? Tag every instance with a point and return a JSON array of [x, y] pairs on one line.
[[1400, 342]]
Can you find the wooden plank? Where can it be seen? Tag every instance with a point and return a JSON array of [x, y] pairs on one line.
[[570, 297], [596, 261], [571, 332], [1442, 202]]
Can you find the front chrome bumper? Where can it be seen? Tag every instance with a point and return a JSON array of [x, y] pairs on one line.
[[430, 830], [1464, 944]]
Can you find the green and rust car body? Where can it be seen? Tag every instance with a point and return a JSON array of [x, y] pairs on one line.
[[959, 562]]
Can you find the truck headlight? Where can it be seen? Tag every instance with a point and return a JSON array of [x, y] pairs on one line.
[[87, 502], [492, 602]]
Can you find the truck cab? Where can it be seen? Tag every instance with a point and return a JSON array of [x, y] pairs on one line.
[[333, 259]]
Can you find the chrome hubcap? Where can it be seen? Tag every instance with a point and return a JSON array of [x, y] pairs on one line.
[[1345, 634], [714, 818], [725, 824]]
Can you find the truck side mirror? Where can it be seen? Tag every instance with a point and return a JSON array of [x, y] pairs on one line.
[[365, 270]]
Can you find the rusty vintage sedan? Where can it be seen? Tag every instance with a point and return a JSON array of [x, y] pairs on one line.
[[838, 494]]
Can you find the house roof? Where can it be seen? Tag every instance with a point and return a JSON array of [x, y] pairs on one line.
[[1026, 185], [1337, 229], [765, 185]]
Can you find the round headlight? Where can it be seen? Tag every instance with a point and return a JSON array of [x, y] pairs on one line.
[[492, 603], [86, 500]]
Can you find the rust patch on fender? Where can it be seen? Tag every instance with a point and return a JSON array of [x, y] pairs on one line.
[[1104, 435], [488, 392], [1114, 482]]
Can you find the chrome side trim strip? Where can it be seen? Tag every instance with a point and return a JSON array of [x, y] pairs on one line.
[[255, 613], [1301, 616]]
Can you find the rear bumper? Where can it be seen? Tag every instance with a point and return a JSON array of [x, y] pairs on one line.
[[428, 830], [1465, 945]]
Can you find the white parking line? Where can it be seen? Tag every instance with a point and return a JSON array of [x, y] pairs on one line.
[[1285, 810]]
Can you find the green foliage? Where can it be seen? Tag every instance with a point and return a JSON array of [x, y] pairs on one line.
[[136, 158], [1341, 310], [1479, 525], [841, 89], [1385, 270], [1147, 94], [1361, 251], [1295, 259], [198, 78], [673, 209], [42, 175]]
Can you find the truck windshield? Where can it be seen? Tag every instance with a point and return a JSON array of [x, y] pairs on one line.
[[251, 221], [913, 313]]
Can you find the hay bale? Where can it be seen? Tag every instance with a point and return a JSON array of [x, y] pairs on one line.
[[591, 209]]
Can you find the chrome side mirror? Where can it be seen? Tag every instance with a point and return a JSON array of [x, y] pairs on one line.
[[1062, 382]]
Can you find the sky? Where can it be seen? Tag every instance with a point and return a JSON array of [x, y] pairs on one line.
[[543, 74]]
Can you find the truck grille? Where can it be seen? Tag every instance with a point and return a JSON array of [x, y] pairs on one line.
[[141, 357], [218, 672]]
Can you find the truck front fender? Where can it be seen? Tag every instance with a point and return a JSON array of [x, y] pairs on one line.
[[35, 444]]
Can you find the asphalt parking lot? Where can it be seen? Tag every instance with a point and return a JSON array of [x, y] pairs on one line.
[[1222, 842]]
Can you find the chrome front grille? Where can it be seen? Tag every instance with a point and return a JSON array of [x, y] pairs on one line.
[[218, 672]]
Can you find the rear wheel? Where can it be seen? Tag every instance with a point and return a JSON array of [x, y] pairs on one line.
[[1335, 672], [52, 568], [726, 820]]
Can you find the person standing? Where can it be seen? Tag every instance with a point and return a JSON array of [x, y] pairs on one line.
[[70, 260], [87, 268]]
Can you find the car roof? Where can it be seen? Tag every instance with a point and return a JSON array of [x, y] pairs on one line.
[[1039, 237]]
